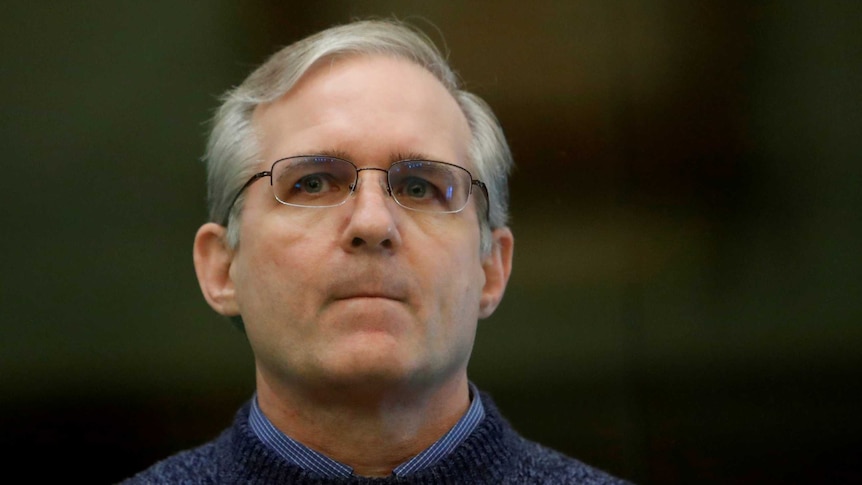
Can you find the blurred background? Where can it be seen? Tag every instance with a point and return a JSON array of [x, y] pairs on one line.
[[685, 305]]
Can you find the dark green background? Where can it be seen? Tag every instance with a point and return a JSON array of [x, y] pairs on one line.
[[685, 305]]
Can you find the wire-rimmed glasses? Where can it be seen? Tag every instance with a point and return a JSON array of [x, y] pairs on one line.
[[321, 181]]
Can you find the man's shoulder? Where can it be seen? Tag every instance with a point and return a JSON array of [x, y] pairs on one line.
[[207, 463], [540, 464], [196, 465], [533, 462]]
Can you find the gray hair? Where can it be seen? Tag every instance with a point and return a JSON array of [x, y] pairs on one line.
[[232, 152]]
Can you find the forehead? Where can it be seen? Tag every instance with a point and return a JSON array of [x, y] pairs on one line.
[[366, 106]]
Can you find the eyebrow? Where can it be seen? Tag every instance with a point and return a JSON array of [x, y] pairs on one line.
[[393, 157]]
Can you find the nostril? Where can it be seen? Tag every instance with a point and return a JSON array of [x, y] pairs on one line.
[[358, 242]]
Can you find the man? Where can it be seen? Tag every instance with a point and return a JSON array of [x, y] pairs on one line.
[[358, 203]]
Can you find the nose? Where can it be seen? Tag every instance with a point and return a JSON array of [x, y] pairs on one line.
[[372, 222]]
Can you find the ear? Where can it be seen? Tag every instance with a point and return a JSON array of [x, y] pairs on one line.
[[497, 266], [212, 258]]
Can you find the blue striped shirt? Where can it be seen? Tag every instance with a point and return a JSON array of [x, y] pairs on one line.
[[302, 456]]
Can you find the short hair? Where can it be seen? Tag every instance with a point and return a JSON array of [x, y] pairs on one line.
[[232, 151]]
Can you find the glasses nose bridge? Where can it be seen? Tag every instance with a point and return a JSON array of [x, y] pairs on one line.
[[383, 182]]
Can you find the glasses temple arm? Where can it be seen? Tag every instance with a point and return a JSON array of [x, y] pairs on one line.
[[487, 197], [254, 178]]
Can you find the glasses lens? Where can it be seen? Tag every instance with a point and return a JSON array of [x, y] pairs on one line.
[[430, 186], [312, 181]]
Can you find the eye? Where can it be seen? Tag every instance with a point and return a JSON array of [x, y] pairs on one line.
[[429, 186], [311, 184], [417, 188], [313, 181]]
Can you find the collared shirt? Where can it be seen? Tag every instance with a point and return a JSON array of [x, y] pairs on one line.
[[302, 456]]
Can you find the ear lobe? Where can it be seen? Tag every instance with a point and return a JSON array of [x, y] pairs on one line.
[[213, 258], [497, 266]]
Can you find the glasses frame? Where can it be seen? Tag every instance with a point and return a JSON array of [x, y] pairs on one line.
[[268, 173]]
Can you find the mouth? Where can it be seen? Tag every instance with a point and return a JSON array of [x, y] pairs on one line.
[[371, 284], [369, 295], [359, 291]]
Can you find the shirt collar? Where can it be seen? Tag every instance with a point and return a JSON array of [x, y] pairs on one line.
[[304, 457]]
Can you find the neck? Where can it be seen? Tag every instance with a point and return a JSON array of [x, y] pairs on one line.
[[371, 431]]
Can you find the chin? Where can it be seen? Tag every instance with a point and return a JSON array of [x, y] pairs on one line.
[[375, 363], [375, 367]]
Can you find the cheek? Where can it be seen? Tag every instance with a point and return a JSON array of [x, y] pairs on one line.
[[457, 276], [275, 264], [452, 325]]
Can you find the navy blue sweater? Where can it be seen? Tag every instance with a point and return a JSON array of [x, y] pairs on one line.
[[493, 454]]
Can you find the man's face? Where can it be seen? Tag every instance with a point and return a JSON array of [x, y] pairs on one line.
[[367, 292]]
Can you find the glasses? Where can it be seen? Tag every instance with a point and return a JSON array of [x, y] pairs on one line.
[[320, 181]]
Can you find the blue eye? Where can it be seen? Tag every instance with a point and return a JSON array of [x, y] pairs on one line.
[[416, 188], [311, 184]]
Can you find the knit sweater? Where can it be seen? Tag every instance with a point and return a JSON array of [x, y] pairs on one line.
[[493, 454]]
